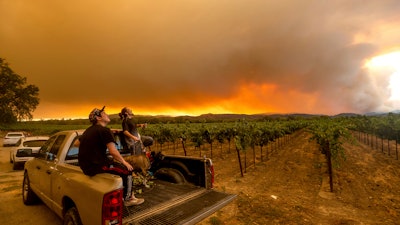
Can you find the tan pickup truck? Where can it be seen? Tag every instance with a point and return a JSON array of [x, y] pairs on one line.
[[182, 192]]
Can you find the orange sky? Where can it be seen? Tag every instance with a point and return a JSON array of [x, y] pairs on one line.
[[194, 57]]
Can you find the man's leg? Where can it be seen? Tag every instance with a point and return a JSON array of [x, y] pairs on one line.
[[126, 176], [147, 141], [137, 148]]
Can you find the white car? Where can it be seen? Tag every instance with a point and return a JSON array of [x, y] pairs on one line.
[[12, 138], [28, 146]]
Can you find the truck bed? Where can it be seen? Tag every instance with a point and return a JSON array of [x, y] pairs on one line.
[[169, 203]]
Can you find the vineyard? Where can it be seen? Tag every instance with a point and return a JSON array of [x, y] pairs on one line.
[[243, 136], [320, 170], [252, 139]]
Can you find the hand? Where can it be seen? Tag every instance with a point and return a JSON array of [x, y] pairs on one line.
[[128, 166], [136, 139]]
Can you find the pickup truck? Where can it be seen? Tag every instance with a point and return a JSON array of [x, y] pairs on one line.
[[181, 194]]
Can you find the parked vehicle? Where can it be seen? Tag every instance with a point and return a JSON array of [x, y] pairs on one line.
[[181, 194], [27, 148], [12, 138]]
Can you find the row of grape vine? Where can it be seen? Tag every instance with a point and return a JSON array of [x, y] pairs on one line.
[[240, 136]]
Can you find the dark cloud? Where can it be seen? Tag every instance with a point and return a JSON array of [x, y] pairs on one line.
[[177, 54]]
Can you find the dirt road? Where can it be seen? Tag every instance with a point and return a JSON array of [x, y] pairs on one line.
[[12, 210]]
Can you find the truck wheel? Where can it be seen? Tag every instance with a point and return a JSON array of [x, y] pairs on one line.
[[15, 165], [171, 175], [71, 217], [28, 196]]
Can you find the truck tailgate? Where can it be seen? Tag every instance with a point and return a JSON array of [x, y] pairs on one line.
[[168, 203]]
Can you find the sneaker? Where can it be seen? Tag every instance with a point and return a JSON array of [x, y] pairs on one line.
[[133, 201]]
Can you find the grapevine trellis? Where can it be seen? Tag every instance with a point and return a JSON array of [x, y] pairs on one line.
[[379, 131], [242, 134], [330, 135]]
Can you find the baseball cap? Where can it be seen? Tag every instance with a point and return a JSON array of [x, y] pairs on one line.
[[95, 112]]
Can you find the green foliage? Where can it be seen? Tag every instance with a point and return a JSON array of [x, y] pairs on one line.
[[17, 99], [241, 136], [41, 128], [330, 135], [215, 221], [385, 126]]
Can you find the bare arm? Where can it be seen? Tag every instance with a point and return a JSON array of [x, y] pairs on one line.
[[115, 154], [142, 125], [126, 133]]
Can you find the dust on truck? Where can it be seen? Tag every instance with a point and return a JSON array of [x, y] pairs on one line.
[[182, 192]]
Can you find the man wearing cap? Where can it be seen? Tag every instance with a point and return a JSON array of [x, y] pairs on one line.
[[135, 141], [93, 159]]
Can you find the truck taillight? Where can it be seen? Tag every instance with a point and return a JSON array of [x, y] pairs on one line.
[[112, 208], [211, 172]]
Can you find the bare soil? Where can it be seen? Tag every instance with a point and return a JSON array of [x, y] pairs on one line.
[[292, 186]]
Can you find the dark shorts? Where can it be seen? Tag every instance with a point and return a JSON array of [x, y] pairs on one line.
[[117, 169]]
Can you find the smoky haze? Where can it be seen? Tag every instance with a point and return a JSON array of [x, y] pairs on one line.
[[183, 54]]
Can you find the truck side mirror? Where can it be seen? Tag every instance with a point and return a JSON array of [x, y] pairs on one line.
[[50, 156]]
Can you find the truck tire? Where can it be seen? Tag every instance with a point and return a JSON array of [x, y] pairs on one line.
[[171, 175], [71, 217], [28, 196], [15, 165]]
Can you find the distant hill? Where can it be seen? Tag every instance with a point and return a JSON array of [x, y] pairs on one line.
[[228, 117], [347, 115], [210, 117], [382, 113]]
